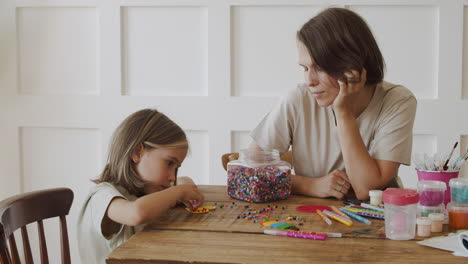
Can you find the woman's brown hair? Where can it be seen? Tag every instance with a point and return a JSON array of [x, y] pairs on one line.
[[146, 128], [339, 40]]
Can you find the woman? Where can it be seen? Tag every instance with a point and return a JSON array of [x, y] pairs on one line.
[[349, 129]]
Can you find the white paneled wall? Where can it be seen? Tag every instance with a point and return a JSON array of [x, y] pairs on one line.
[[71, 71]]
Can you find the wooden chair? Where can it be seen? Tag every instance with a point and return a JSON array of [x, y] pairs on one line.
[[233, 156], [20, 210]]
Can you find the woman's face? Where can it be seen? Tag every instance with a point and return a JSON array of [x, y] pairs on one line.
[[323, 86], [158, 167]]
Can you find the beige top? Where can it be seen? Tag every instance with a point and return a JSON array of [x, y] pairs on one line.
[[93, 245], [386, 127]]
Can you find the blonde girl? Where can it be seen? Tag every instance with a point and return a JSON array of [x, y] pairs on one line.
[[137, 185]]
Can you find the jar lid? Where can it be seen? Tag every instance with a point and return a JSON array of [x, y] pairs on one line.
[[457, 207], [399, 196], [458, 182], [431, 186], [373, 193], [427, 207], [436, 216], [423, 221]]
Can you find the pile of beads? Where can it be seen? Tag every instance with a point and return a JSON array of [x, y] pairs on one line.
[[269, 214], [259, 185]]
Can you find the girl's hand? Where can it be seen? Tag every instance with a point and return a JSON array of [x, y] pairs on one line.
[[335, 184], [349, 91], [190, 195]]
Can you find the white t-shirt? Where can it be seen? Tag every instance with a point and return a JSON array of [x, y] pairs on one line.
[[386, 127], [94, 247]]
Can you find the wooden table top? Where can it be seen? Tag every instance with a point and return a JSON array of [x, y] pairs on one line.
[[220, 236]]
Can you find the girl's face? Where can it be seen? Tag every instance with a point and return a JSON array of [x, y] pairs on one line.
[[323, 86], [158, 167]]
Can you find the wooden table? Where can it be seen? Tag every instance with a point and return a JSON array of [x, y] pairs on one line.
[[221, 237]]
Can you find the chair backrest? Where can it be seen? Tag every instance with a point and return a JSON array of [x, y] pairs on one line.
[[234, 155], [18, 211]]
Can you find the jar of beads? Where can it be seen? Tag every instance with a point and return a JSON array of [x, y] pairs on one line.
[[459, 192], [259, 176], [431, 193]]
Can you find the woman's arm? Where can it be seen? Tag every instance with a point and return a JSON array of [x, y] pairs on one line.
[[363, 171], [152, 205]]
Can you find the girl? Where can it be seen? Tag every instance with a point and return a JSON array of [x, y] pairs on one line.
[[348, 128], [137, 185]]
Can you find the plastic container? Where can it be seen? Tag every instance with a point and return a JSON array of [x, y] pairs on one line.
[[375, 197], [459, 190], [458, 215], [423, 226], [431, 193], [424, 211], [439, 176], [259, 177], [437, 224], [400, 213]]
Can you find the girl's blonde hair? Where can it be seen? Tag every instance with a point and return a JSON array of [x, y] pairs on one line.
[[146, 128]]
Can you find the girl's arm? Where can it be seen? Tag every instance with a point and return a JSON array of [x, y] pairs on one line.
[[150, 206]]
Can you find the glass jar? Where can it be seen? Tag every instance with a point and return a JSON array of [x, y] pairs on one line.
[[400, 213], [259, 176]]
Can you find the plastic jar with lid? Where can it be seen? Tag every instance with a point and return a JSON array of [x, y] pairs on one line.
[[437, 224], [400, 213], [426, 210], [459, 190], [259, 177], [458, 215], [423, 226], [431, 193], [375, 197]]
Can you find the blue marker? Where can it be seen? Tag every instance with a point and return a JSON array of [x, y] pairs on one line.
[[357, 217]]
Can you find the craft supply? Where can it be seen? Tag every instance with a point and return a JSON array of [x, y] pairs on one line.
[[355, 209], [355, 216], [450, 155], [372, 207], [431, 193], [444, 176], [426, 210], [375, 197], [456, 242], [338, 212], [437, 224], [327, 234], [293, 234], [458, 215], [201, 209], [459, 190], [338, 218], [324, 217], [312, 208], [423, 225], [400, 213], [367, 214], [259, 176]]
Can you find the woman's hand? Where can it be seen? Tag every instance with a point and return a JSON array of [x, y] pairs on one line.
[[345, 101], [335, 184]]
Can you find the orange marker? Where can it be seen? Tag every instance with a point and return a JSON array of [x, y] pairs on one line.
[[324, 217], [338, 212]]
